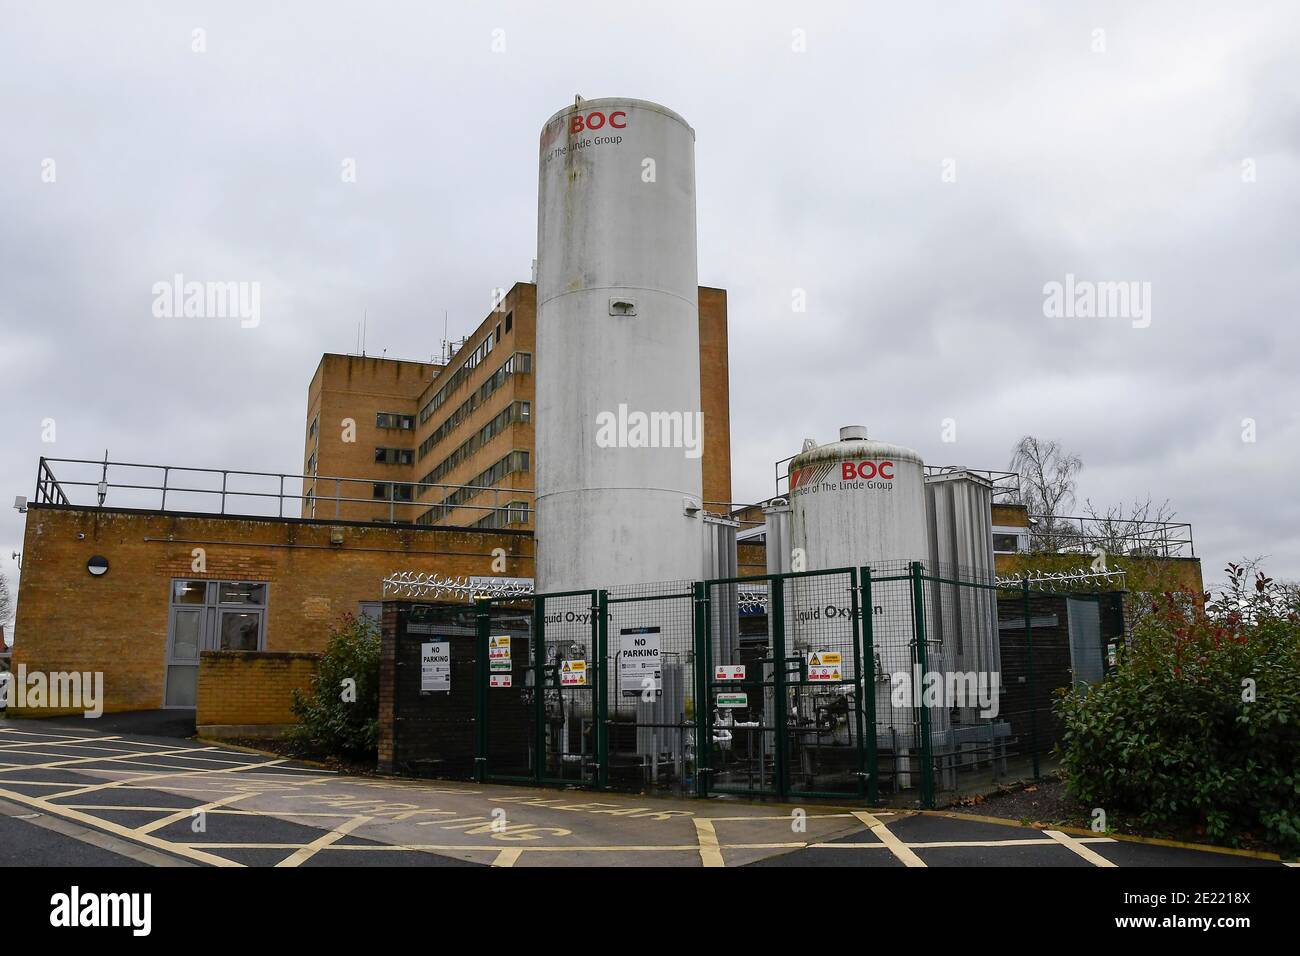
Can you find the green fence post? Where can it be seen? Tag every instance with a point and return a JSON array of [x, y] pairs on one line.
[[482, 621], [703, 690], [919, 638], [857, 670], [601, 690], [777, 605], [539, 688], [869, 683], [1033, 689]]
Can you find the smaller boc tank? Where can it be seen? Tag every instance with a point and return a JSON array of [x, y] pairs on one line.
[[858, 502]]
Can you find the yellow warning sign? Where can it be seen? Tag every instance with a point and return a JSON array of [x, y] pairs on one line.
[[573, 674], [825, 666]]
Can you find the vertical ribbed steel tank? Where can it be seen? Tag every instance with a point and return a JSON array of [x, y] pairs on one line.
[[618, 425]]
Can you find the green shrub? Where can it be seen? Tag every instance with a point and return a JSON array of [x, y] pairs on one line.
[[1170, 740], [338, 718]]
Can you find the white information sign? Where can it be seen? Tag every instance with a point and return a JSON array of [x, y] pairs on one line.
[[638, 661], [435, 666], [729, 672], [499, 680]]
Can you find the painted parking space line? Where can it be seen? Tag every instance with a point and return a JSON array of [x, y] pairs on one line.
[[508, 857], [895, 845], [1076, 846]]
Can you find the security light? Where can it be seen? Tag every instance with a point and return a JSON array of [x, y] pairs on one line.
[[20, 504]]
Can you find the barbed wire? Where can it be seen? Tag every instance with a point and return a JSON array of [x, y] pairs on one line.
[[1060, 580], [414, 584]]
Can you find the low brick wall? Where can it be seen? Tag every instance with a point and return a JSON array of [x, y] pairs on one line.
[[248, 693]]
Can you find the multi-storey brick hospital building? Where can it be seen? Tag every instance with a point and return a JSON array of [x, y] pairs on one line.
[[452, 445]]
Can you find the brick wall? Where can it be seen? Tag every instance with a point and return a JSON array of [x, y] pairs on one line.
[[248, 691], [117, 623]]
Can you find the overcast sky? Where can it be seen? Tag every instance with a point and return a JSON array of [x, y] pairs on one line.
[[920, 170]]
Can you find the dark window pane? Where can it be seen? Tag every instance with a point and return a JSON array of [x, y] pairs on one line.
[[239, 630], [1005, 542]]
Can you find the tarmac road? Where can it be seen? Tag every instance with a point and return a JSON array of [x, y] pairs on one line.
[[72, 796]]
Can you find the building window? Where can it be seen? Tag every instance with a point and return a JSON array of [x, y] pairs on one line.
[[510, 321], [394, 420], [389, 491], [371, 612], [394, 456], [1010, 540]]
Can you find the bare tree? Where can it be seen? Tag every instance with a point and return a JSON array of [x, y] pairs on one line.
[[6, 602], [1047, 483], [1132, 530]]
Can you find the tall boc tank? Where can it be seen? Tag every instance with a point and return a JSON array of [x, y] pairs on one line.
[[858, 502], [618, 424]]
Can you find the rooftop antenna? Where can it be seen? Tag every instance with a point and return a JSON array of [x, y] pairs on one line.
[[365, 317], [102, 488]]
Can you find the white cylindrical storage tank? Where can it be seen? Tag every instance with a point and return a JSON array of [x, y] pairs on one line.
[[858, 502], [618, 425]]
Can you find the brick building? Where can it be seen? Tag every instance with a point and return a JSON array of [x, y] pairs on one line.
[[452, 445]]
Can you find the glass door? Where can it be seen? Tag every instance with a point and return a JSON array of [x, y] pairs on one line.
[[209, 616]]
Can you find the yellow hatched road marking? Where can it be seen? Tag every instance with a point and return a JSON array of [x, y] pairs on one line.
[[182, 814], [1070, 843], [508, 857], [53, 809], [77, 742], [135, 781], [72, 761], [895, 845], [310, 850]]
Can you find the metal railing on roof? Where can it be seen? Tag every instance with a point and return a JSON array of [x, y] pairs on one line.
[[226, 491], [1077, 534]]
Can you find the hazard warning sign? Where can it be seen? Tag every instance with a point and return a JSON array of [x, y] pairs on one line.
[[825, 666], [573, 673], [499, 653], [499, 680]]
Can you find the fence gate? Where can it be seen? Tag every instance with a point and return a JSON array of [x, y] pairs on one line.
[[785, 699], [506, 721], [648, 695]]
